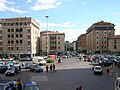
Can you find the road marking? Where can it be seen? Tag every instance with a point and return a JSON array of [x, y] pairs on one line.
[[39, 78]]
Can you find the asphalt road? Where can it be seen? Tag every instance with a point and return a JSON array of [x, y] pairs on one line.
[[70, 74]]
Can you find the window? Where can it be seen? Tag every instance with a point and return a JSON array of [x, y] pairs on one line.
[[58, 42], [59, 47], [28, 36], [12, 30], [0, 31], [115, 47], [20, 35], [17, 41], [1, 48], [58, 37], [0, 37], [8, 36], [28, 42], [12, 36], [8, 41], [97, 46], [97, 32], [97, 37], [8, 30], [0, 43], [12, 42], [105, 32], [115, 41], [17, 35], [97, 42], [20, 41]]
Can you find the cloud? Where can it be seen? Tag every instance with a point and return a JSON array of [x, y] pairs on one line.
[[29, 1], [4, 7], [83, 3], [45, 4]]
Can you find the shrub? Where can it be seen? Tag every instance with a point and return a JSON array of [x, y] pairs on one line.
[[50, 60]]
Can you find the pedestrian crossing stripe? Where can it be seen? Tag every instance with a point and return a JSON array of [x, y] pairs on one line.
[[39, 78]]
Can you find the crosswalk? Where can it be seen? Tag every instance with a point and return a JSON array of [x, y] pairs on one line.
[[39, 78]]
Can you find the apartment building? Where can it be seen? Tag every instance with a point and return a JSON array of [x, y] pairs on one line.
[[114, 44], [19, 37], [81, 43], [97, 36], [52, 42]]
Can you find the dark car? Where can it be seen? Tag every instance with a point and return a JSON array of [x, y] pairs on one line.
[[31, 86], [28, 65], [107, 63], [118, 64], [12, 71], [36, 68], [3, 68]]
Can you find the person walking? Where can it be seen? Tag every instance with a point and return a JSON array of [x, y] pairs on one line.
[[19, 83], [53, 67], [47, 68], [107, 72]]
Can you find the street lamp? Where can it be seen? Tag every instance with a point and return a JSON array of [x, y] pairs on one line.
[[47, 33]]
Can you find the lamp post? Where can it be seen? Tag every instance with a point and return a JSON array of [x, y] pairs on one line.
[[47, 33]]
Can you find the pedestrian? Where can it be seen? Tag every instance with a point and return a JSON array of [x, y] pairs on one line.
[[19, 83], [107, 72], [79, 88], [53, 67], [46, 68], [19, 68]]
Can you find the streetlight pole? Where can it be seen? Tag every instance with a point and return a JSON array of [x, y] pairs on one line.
[[47, 33]]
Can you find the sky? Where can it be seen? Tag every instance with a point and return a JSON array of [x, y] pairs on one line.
[[73, 17]]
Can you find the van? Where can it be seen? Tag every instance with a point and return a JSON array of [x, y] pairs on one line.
[[39, 60], [117, 83]]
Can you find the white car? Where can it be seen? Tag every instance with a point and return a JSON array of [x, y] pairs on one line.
[[117, 83], [98, 70]]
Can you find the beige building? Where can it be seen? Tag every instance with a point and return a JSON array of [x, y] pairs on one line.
[[97, 36], [81, 43], [114, 44], [19, 37], [52, 42]]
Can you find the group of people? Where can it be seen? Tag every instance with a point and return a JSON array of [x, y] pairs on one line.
[[79, 88], [15, 85], [51, 67]]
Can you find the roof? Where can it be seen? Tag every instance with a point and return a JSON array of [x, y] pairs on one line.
[[52, 33], [115, 37]]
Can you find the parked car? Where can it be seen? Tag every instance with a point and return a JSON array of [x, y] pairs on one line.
[[117, 83], [36, 68], [3, 68], [118, 64], [28, 65], [97, 70], [12, 71], [31, 86], [7, 85], [39, 60], [107, 63]]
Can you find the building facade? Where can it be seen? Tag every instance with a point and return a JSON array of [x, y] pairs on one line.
[[81, 43], [97, 36], [114, 44], [19, 37], [52, 42]]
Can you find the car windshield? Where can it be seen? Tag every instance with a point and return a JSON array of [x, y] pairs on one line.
[[97, 68], [31, 88], [2, 87]]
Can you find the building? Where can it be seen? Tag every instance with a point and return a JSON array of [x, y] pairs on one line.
[[19, 37], [52, 42], [81, 43], [114, 44], [97, 36], [73, 46]]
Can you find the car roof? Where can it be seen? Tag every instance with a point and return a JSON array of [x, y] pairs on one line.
[[98, 66], [30, 84]]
